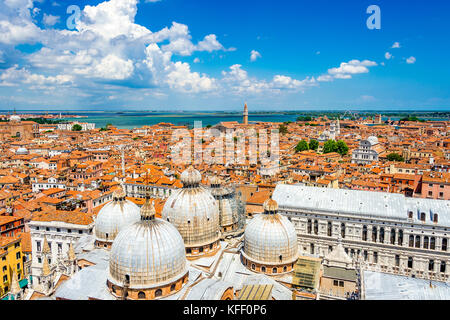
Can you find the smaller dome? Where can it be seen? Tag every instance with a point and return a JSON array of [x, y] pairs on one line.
[[373, 140], [191, 177], [14, 118], [270, 205], [22, 150]]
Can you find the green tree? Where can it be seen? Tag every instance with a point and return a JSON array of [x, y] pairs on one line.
[[302, 146], [313, 144], [395, 157], [76, 127], [283, 129], [303, 119], [329, 146], [341, 148]]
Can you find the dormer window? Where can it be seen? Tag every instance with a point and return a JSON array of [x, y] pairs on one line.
[[422, 216]]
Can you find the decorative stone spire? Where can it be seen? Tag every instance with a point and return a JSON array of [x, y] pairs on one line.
[[71, 252], [45, 267], [15, 287], [338, 257], [45, 246]]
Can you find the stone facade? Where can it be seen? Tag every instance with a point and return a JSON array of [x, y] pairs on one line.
[[391, 246]]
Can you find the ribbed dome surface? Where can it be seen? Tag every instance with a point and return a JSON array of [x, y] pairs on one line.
[[113, 217], [151, 253], [269, 236], [193, 211]]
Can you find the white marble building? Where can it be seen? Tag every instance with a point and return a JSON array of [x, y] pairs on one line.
[[59, 235], [382, 232], [368, 151]]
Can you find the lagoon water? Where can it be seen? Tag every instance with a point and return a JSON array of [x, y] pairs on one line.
[[136, 120], [130, 120]]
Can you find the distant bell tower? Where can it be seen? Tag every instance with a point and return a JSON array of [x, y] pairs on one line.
[[245, 114]]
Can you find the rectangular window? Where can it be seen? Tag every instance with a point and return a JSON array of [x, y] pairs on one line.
[[38, 246], [335, 283], [431, 265], [18, 255], [341, 284], [375, 257]]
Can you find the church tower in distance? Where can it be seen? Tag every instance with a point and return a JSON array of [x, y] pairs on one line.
[[245, 114]]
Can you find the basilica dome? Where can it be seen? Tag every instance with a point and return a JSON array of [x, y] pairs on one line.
[[231, 210], [147, 259], [113, 217], [194, 212], [270, 241]]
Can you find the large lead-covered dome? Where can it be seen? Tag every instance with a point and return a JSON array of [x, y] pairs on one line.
[[270, 240], [194, 212], [146, 255], [114, 216]]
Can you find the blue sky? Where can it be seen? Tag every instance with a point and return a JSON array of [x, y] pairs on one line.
[[214, 55]]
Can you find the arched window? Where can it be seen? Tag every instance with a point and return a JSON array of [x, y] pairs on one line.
[[382, 235], [172, 287], [253, 266], [158, 293], [113, 288], [263, 269], [422, 216], [343, 230], [444, 244], [330, 229], [443, 266], [410, 262], [316, 227], [417, 242], [281, 258], [435, 218], [411, 241], [309, 226], [374, 234], [141, 295], [425, 242], [274, 270], [284, 269], [432, 243], [392, 236], [410, 214], [364, 233], [400, 237]]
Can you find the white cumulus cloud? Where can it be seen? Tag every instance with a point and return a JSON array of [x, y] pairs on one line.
[[411, 60], [254, 55]]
